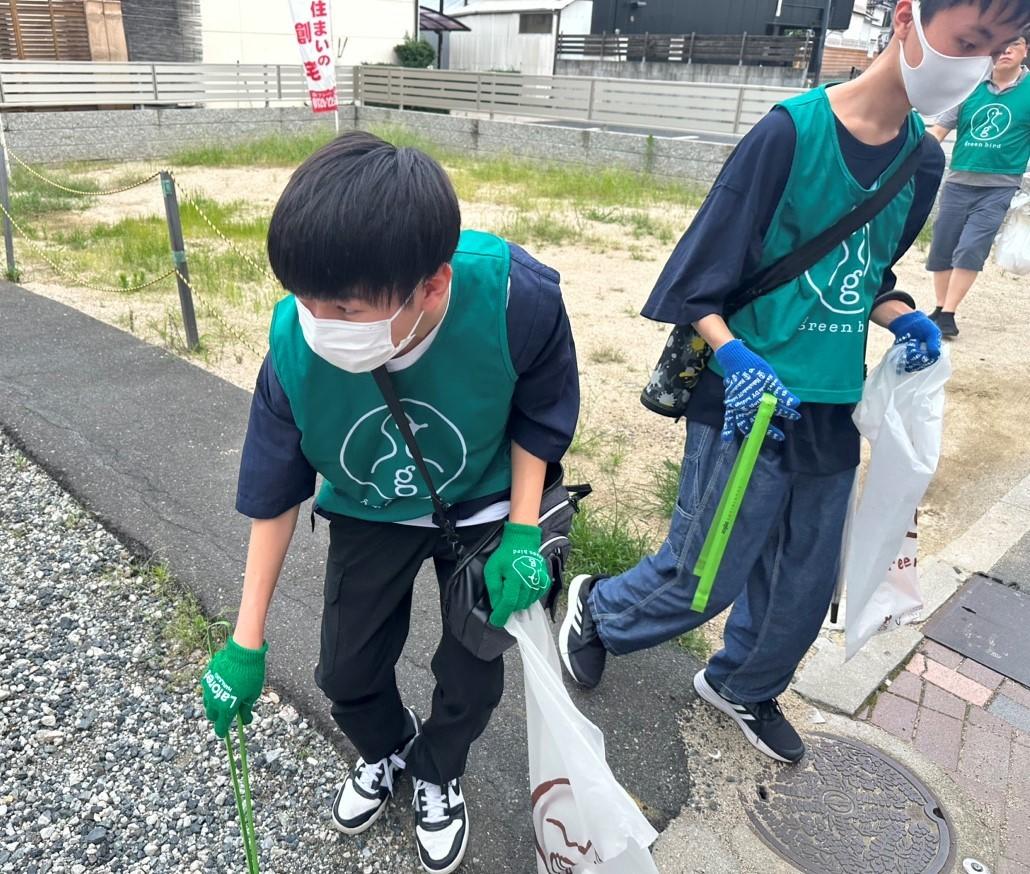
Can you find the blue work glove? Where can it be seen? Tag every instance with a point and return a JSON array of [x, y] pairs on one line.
[[920, 337], [747, 378]]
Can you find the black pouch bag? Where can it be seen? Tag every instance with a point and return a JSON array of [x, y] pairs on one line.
[[466, 603]]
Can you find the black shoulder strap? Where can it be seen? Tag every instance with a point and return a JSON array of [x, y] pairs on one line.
[[440, 517], [797, 262]]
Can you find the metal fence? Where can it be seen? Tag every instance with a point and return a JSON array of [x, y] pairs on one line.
[[699, 48], [27, 85], [636, 103], [601, 102]]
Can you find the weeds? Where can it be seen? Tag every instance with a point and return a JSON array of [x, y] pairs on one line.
[[186, 631], [925, 236], [607, 355], [585, 443], [694, 643], [545, 228], [666, 480], [32, 198], [611, 464], [604, 543]]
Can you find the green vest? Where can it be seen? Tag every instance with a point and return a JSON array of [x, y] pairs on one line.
[[457, 397], [994, 131], [812, 330]]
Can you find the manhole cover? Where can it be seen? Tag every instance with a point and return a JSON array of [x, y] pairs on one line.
[[848, 808]]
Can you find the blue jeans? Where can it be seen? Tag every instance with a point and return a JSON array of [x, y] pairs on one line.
[[778, 573]]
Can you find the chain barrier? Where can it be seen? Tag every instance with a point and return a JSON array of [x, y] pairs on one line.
[[234, 335], [190, 199], [81, 191], [78, 280]]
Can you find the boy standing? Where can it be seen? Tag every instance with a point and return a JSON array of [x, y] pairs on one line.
[[476, 340], [992, 149], [807, 163]]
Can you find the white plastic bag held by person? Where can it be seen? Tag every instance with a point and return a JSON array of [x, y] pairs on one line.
[[1012, 247], [901, 415], [584, 822]]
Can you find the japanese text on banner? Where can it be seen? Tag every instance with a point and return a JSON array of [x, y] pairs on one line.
[[313, 29]]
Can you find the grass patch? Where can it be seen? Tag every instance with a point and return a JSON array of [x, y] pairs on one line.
[[639, 222], [925, 236], [185, 631], [270, 151], [604, 543], [506, 176], [33, 199], [607, 355], [585, 443], [665, 478], [546, 228], [694, 643], [613, 461]]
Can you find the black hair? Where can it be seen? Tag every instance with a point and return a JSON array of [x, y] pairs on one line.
[[365, 220], [1013, 10]]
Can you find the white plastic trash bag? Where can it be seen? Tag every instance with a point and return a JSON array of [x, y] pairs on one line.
[[583, 820], [901, 415], [1012, 247]]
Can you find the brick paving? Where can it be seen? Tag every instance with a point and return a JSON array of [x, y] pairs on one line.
[[975, 724]]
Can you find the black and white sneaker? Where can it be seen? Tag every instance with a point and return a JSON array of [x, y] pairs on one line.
[[763, 724], [582, 651], [363, 797], [441, 826]]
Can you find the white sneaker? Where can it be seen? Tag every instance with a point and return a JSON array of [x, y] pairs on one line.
[[363, 797], [441, 826]]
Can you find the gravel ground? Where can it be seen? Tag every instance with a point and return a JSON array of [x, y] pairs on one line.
[[108, 762]]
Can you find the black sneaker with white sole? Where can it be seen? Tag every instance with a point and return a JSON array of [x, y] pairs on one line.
[[441, 825], [763, 724], [363, 797], [579, 644]]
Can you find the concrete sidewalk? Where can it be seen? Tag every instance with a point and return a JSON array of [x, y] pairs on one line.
[[150, 443]]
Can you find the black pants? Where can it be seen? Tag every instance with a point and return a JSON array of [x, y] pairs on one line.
[[369, 578]]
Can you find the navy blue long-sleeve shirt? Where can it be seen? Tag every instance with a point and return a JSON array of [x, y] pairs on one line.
[[723, 247], [275, 475]]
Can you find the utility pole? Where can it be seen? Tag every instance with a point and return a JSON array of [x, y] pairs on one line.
[[819, 49]]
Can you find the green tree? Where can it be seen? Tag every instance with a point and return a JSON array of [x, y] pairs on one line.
[[415, 53]]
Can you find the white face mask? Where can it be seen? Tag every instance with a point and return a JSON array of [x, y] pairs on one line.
[[940, 81], [357, 347]]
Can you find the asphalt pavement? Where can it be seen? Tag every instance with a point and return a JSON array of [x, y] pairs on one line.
[[150, 443]]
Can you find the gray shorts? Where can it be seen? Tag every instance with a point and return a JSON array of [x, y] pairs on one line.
[[968, 218]]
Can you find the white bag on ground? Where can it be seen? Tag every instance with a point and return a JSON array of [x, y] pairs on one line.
[[583, 820], [1012, 246], [901, 415]]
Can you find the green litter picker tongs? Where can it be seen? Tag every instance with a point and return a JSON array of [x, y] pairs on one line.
[[241, 774], [729, 505]]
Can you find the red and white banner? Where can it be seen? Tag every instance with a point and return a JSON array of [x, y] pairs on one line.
[[313, 29]]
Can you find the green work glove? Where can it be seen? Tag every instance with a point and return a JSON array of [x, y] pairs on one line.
[[516, 574], [232, 683]]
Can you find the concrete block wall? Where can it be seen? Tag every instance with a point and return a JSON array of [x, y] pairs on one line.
[[150, 134], [144, 134], [682, 160]]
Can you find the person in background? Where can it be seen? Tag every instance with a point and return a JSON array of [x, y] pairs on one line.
[[992, 149]]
